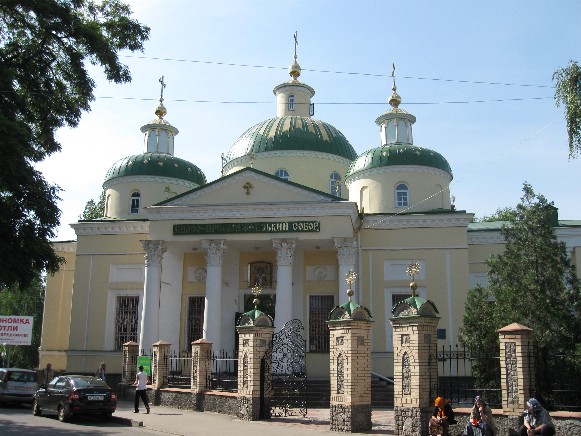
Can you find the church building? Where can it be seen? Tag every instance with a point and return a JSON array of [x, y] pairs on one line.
[[176, 257]]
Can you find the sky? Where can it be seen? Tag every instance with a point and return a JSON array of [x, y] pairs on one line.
[[477, 76]]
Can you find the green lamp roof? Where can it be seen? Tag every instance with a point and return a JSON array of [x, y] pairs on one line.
[[156, 164], [399, 154], [292, 133]]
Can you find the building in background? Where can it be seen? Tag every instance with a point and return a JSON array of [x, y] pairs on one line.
[[175, 257]]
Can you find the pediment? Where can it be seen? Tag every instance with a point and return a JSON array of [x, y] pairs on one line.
[[248, 186]]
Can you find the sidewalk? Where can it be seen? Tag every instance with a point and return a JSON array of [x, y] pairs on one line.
[[186, 422]]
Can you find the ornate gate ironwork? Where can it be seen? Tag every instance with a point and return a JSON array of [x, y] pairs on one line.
[[289, 371]]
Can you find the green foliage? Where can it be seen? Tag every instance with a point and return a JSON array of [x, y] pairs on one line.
[[44, 50], [568, 93], [94, 210], [532, 282], [501, 214], [24, 302]]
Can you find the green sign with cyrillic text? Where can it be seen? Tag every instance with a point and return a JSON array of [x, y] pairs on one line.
[[261, 227]]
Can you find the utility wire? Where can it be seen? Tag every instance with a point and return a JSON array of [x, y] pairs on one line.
[[350, 73]]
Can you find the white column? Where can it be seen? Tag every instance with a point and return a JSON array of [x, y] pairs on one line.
[[214, 249], [284, 282], [150, 313], [347, 256], [170, 305]]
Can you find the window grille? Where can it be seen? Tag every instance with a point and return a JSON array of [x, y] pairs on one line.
[[397, 298], [195, 319], [135, 202], [335, 184], [291, 102], [402, 195], [319, 308], [126, 321]]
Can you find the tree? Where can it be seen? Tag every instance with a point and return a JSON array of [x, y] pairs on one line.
[[501, 214], [44, 48], [568, 93], [94, 210], [24, 302], [533, 283]]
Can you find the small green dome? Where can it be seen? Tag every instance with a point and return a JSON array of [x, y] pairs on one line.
[[399, 154], [156, 164], [292, 133]]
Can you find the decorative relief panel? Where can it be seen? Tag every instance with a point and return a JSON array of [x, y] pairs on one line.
[[406, 374], [510, 362]]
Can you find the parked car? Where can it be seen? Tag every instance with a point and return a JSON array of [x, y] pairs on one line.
[[71, 395], [17, 385]]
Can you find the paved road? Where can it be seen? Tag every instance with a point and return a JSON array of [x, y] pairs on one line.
[[163, 420]]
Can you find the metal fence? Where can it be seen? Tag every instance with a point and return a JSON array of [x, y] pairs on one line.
[[179, 364], [463, 374], [557, 379], [224, 375]]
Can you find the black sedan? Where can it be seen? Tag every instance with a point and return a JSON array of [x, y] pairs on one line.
[[71, 395]]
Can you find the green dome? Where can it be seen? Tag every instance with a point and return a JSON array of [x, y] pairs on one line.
[[156, 164], [399, 154], [292, 133]]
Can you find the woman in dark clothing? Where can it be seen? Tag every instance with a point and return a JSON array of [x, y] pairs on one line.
[[442, 417]]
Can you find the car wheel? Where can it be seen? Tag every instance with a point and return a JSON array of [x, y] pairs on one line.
[[63, 415], [35, 408]]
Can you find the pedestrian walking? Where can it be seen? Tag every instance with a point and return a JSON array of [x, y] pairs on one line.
[[141, 389]]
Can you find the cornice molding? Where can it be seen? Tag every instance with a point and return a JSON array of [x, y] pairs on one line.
[[151, 179], [419, 220], [245, 160], [418, 169], [65, 247], [254, 210], [484, 238], [110, 228]]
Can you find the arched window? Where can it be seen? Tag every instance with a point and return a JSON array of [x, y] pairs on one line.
[[135, 202], [402, 198], [335, 184], [291, 102], [282, 173]]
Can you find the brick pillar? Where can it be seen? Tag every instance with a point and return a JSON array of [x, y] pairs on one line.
[[201, 365], [350, 362], [130, 353], [254, 358], [414, 339], [517, 370], [160, 363]]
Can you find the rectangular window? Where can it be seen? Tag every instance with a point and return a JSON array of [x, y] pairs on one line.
[[319, 308], [195, 319], [402, 199], [126, 320]]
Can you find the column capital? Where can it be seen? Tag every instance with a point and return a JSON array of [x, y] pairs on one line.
[[285, 249], [214, 249], [154, 251], [346, 250]]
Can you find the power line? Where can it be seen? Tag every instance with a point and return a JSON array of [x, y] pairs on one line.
[[350, 73]]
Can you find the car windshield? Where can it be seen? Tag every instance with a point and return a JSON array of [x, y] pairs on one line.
[[83, 382], [21, 376]]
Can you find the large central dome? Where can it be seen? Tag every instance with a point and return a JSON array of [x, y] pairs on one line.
[[292, 133]]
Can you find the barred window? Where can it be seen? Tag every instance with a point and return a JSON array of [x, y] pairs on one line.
[[319, 308], [397, 298], [195, 319], [126, 320]]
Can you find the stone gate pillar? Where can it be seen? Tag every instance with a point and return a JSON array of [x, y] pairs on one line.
[[255, 330], [160, 363], [350, 364], [201, 365], [414, 322], [517, 367], [130, 353]]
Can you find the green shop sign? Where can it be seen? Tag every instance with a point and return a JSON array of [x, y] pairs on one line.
[[144, 361], [224, 228]]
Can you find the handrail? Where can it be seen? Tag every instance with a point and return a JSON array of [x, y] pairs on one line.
[[382, 377]]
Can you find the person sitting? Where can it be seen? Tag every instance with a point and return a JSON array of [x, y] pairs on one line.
[[536, 420], [481, 420], [442, 417]]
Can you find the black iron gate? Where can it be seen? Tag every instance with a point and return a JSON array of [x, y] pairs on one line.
[[289, 371]]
